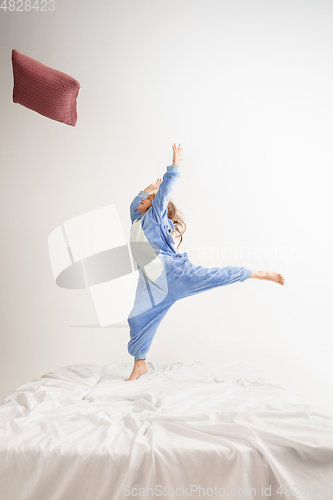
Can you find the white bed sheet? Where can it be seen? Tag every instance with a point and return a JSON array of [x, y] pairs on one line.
[[84, 433]]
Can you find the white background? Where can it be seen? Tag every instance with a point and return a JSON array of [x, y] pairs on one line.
[[246, 88]]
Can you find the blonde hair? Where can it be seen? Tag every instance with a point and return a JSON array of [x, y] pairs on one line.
[[177, 218]]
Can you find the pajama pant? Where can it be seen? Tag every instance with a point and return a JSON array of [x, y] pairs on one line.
[[181, 279]]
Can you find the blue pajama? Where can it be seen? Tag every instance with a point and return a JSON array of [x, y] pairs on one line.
[[165, 276]]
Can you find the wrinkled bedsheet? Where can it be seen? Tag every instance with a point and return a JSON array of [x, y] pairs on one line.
[[184, 430]]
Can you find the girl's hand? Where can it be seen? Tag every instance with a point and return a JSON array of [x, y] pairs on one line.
[[154, 187], [177, 153]]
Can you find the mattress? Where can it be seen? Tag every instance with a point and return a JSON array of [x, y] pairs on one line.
[[194, 430]]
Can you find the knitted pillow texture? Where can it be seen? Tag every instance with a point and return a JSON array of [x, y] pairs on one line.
[[47, 91]]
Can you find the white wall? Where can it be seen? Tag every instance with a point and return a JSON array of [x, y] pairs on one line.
[[246, 88]]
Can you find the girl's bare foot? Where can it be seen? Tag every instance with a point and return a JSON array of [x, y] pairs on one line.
[[140, 368], [268, 275]]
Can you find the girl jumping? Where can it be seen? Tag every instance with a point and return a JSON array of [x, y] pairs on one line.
[[165, 275]]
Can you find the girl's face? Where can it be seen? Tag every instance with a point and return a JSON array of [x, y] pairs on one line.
[[145, 204]]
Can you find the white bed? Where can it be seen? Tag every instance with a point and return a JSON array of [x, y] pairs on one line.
[[84, 433]]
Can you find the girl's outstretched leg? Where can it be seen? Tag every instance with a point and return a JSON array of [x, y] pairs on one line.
[[268, 275], [140, 368], [189, 279]]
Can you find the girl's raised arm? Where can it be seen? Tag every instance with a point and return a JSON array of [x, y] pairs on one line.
[[161, 199]]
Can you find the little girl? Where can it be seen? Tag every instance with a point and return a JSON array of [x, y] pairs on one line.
[[166, 276]]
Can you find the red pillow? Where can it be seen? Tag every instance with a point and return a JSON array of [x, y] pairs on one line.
[[47, 91]]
